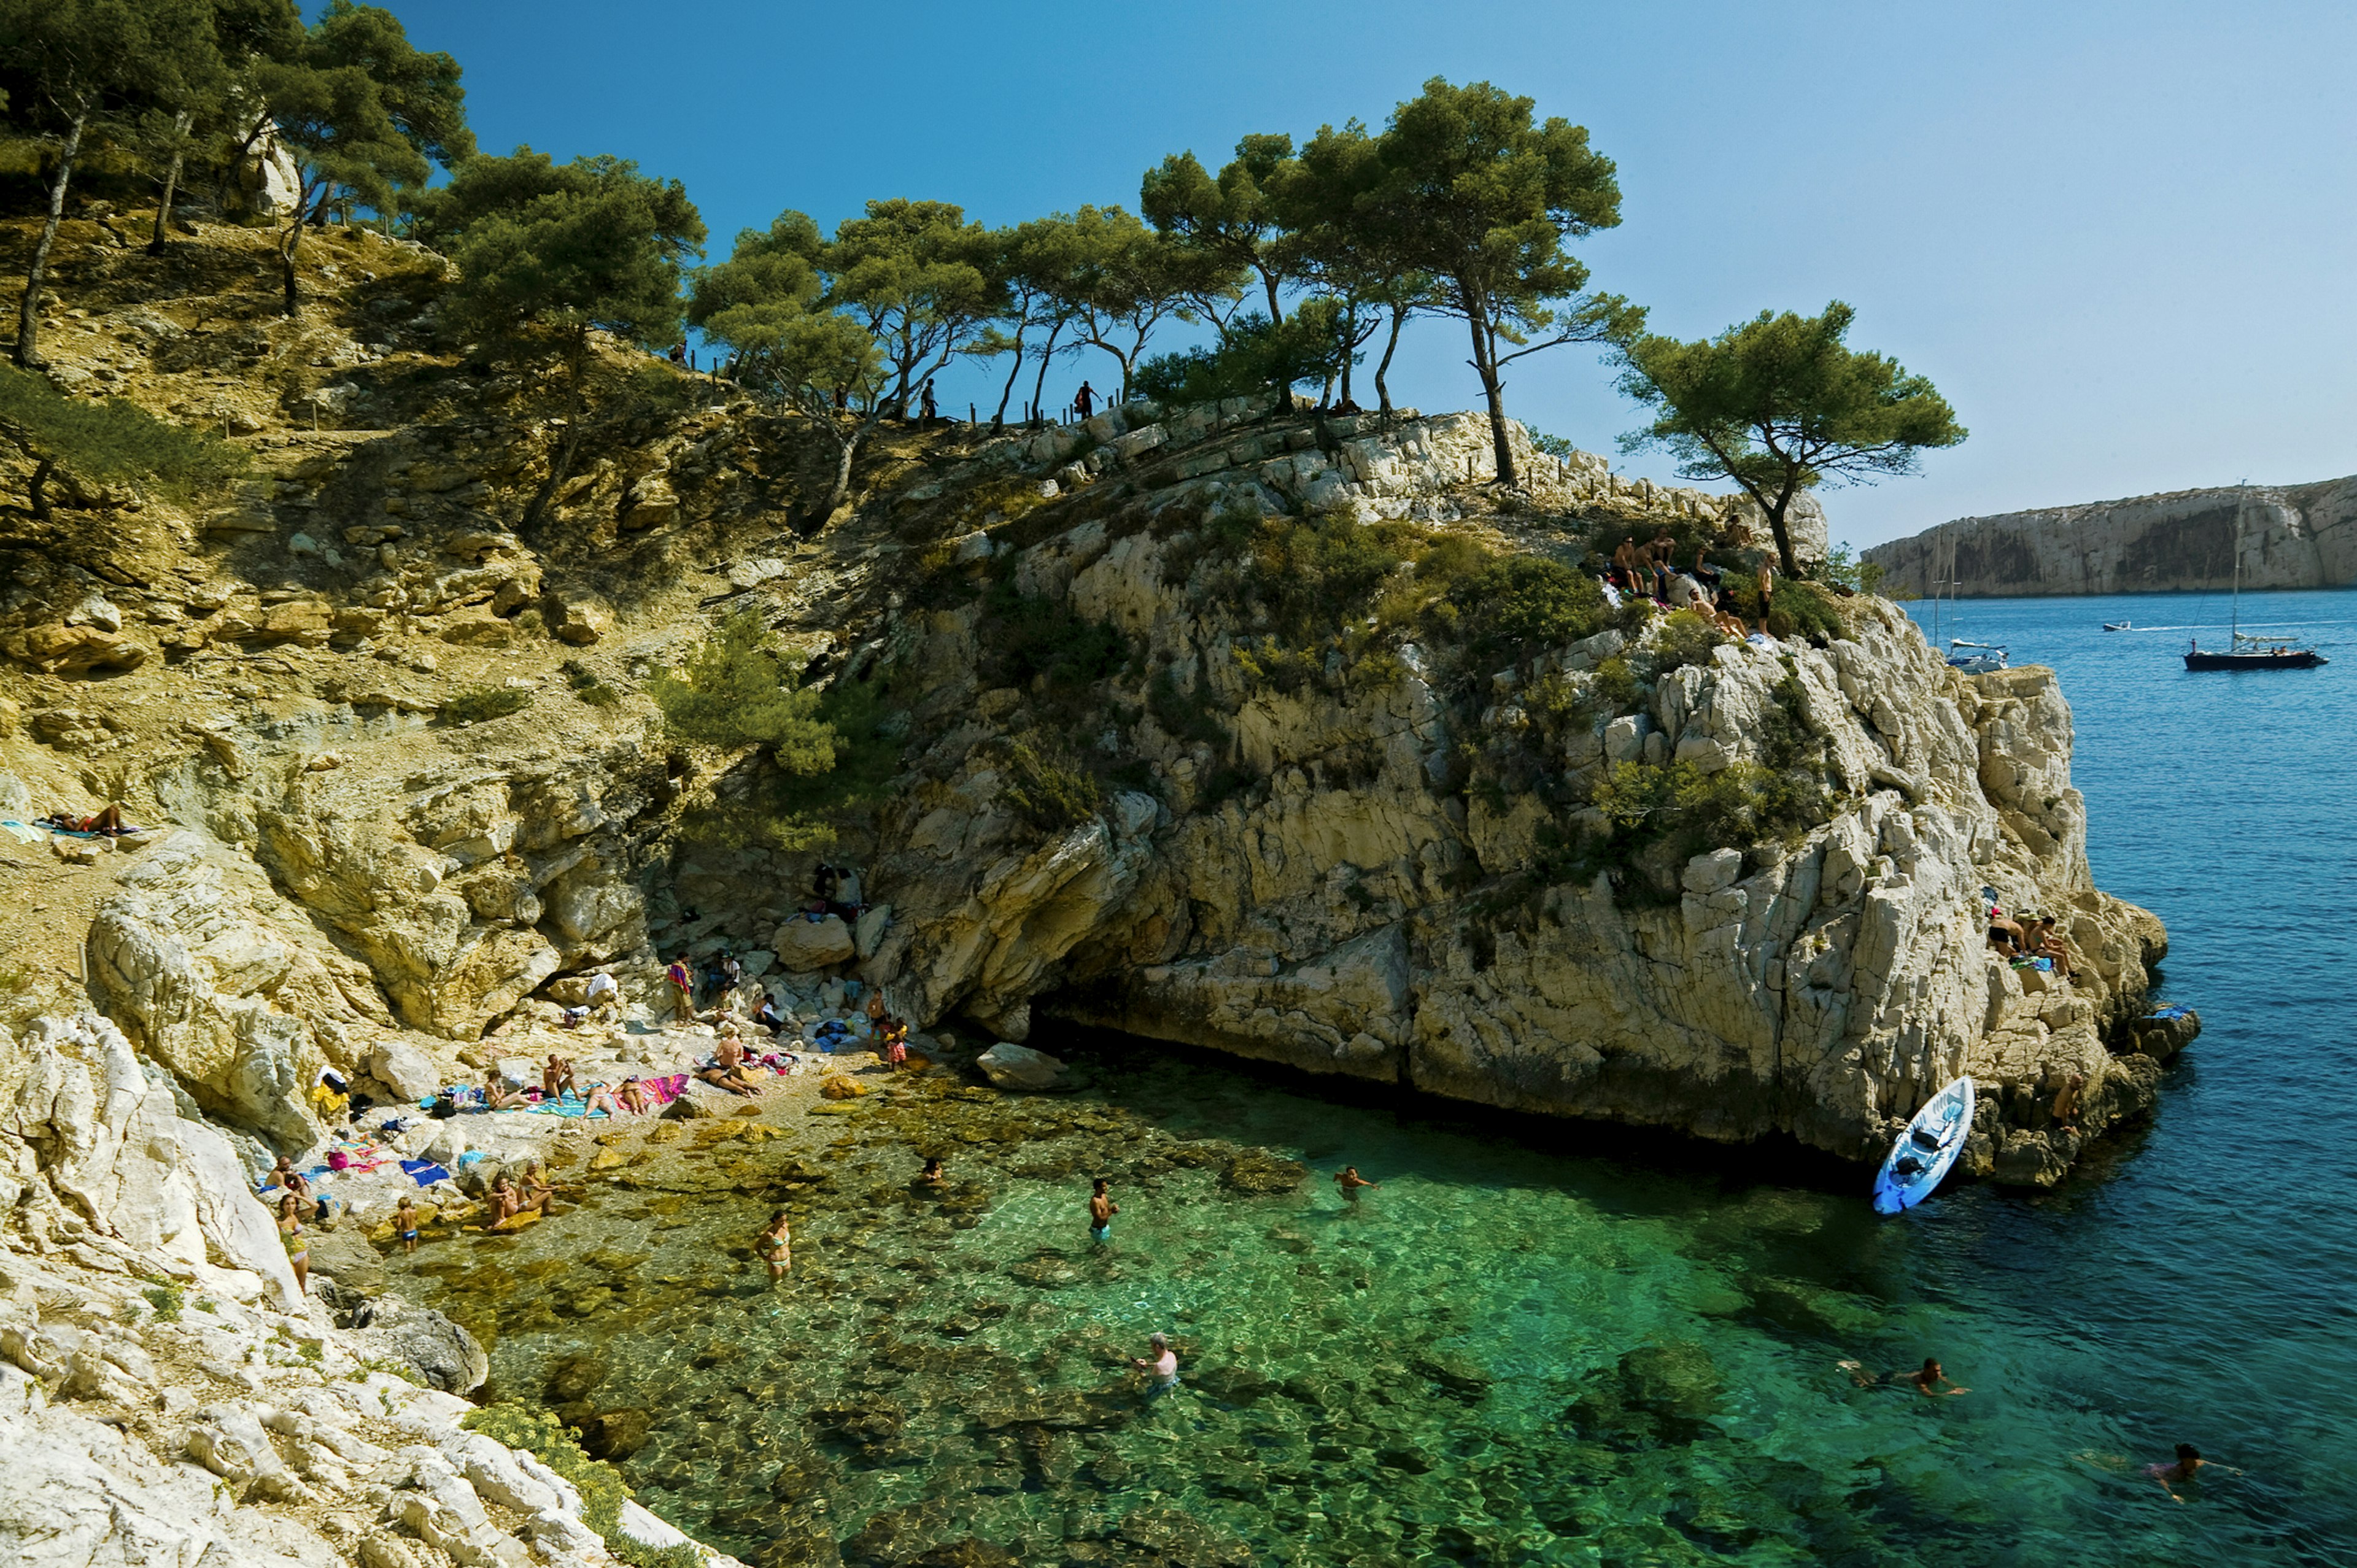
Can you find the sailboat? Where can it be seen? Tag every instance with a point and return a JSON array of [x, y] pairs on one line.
[[2248, 651], [1971, 657]]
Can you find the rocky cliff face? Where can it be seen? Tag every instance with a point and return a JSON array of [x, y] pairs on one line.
[[409, 787], [2295, 536]]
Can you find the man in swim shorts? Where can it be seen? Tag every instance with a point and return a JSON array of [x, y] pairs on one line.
[[1102, 1209], [1351, 1181]]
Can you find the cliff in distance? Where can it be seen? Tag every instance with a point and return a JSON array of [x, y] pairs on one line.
[[2293, 536]]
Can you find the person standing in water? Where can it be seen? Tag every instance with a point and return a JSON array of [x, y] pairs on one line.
[[775, 1246], [405, 1224], [1160, 1364], [1351, 1181], [1102, 1209]]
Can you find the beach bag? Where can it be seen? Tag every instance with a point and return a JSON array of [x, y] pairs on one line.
[[445, 1107]]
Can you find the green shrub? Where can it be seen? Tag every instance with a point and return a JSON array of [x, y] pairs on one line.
[[166, 1297], [485, 702], [1518, 605], [1027, 635], [589, 687], [113, 439], [539, 1434], [1616, 685], [1843, 567], [739, 689], [1049, 794], [1804, 609], [1687, 637]]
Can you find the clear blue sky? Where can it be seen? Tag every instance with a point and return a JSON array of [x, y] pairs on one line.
[[2122, 238]]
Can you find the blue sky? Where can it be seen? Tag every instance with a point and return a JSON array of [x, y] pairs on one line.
[[2121, 238]]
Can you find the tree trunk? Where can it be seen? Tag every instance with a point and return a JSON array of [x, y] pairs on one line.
[[1783, 538], [36, 491], [842, 477], [1039, 382], [1391, 346], [560, 462], [1485, 365], [289, 243], [998, 416], [29, 314], [1268, 282], [171, 183]]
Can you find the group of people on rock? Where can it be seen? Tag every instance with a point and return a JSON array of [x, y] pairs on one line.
[[1650, 571], [2037, 937]]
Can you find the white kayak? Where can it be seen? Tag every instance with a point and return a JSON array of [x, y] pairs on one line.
[[1925, 1151]]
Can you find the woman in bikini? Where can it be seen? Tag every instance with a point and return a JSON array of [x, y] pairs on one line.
[[536, 1187], [496, 1096], [776, 1246], [633, 1096], [600, 1097], [299, 1249]]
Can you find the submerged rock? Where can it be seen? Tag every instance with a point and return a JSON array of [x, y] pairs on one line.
[[1011, 1065], [1258, 1171], [443, 1355]]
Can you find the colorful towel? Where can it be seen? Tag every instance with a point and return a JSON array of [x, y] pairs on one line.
[[425, 1173], [663, 1090], [565, 1105]]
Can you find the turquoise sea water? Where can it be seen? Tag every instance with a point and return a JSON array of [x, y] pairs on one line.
[[1543, 1343]]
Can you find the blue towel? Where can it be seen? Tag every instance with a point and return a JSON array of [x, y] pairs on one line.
[[2172, 1010], [425, 1173]]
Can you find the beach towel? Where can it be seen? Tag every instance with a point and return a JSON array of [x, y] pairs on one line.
[[2168, 1009], [425, 1173], [565, 1105], [23, 834], [663, 1090]]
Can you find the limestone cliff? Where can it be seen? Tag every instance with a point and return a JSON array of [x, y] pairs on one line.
[[1146, 768], [2292, 536]]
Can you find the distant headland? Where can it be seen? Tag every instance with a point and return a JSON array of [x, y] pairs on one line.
[[2292, 536]]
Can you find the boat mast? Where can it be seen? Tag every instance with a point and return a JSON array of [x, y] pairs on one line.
[[2234, 616]]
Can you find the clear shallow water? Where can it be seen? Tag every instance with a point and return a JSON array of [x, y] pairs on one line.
[[1541, 1343]]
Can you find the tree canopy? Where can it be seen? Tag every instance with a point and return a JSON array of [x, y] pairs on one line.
[[114, 439], [548, 252], [69, 68], [1236, 223], [364, 115], [1780, 404], [1464, 184]]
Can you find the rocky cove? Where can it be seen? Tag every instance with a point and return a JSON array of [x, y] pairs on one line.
[[404, 788]]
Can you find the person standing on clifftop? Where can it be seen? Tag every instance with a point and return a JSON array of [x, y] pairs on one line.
[[1085, 400], [1766, 579]]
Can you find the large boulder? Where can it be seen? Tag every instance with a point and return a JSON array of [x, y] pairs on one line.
[[75, 651], [1011, 1065], [445, 1356], [576, 618], [803, 945], [404, 1069]]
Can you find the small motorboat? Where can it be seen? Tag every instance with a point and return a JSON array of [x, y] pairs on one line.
[[2118, 626]]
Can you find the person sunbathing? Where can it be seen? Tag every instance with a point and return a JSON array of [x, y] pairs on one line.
[[286, 1178], [497, 1095], [725, 1068], [536, 1190], [505, 1201], [2050, 945], [601, 1098], [558, 1076], [108, 821], [633, 1096]]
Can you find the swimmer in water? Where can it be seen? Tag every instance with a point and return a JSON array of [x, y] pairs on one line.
[[1351, 1181], [1926, 1380], [2189, 1463], [1102, 1209], [932, 1174]]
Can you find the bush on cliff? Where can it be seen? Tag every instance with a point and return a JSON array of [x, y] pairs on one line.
[[1051, 794], [1518, 605], [539, 1434], [105, 441], [815, 754]]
